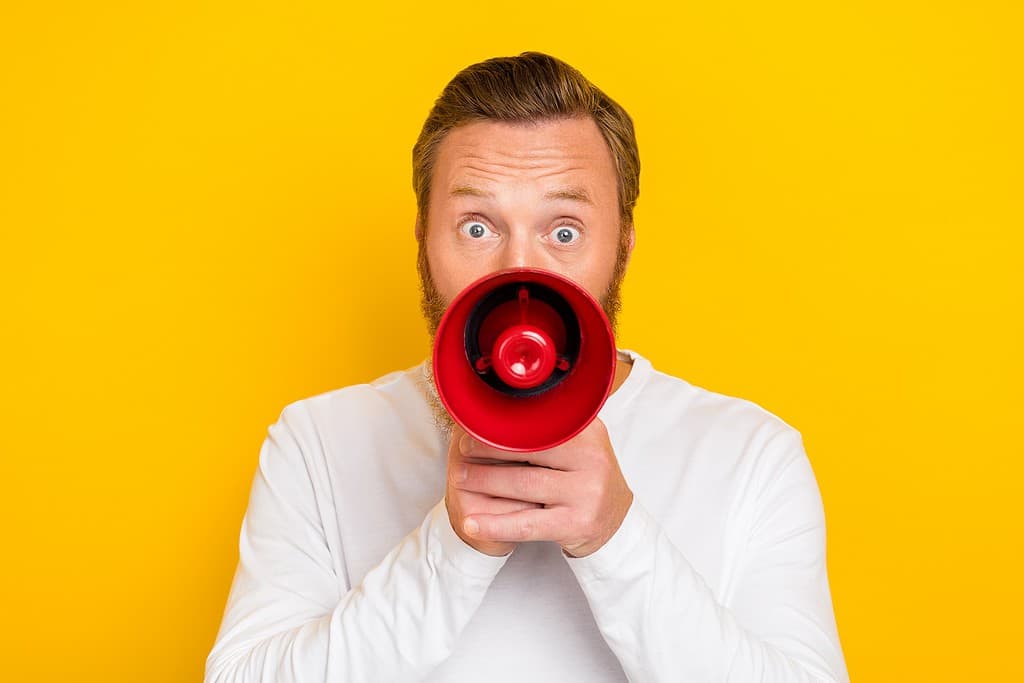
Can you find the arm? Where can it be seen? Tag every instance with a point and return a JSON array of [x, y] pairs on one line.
[[664, 623], [290, 618]]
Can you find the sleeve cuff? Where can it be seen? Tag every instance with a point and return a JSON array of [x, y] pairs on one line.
[[622, 546], [456, 552]]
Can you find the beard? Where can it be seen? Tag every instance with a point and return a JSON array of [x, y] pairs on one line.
[[433, 306]]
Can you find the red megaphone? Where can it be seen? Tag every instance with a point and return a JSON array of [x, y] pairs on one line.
[[524, 359]]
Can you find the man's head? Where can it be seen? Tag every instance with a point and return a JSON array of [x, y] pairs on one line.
[[523, 162]]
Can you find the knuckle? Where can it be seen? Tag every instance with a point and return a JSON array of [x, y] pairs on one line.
[[593, 490], [587, 521]]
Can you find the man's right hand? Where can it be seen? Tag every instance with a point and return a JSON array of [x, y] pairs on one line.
[[461, 503]]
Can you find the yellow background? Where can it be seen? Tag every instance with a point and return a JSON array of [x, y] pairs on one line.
[[206, 214]]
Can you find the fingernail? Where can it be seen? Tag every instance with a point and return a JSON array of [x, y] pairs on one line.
[[471, 527], [465, 444], [461, 472]]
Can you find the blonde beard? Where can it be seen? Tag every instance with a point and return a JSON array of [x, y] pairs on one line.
[[443, 421], [433, 306]]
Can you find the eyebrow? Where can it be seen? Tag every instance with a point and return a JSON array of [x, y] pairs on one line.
[[574, 193], [469, 191]]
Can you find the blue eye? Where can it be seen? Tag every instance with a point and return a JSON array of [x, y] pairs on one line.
[[474, 229], [565, 234]]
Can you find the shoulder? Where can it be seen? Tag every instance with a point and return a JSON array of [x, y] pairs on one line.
[[357, 408], [711, 426], [675, 399], [716, 409]]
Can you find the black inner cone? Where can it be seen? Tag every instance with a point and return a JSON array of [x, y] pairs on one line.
[[510, 292]]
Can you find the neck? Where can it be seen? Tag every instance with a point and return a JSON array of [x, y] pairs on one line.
[[622, 368]]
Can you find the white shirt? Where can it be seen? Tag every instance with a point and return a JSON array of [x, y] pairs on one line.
[[349, 569]]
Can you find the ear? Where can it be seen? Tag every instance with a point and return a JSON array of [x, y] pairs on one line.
[[418, 230]]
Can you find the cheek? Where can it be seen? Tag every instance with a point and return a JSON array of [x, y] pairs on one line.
[[596, 273], [451, 271]]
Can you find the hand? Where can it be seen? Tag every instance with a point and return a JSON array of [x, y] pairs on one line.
[[461, 503], [574, 494]]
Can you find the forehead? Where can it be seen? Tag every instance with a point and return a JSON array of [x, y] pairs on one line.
[[545, 154]]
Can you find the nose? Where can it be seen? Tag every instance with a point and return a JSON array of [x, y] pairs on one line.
[[520, 251]]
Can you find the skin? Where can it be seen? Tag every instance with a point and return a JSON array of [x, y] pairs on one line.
[[540, 195]]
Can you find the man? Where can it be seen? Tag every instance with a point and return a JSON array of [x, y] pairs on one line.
[[680, 536]]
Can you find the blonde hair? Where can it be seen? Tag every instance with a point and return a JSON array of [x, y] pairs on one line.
[[530, 87]]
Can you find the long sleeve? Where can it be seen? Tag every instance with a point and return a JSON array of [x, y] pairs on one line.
[[290, 616], [663, 622]]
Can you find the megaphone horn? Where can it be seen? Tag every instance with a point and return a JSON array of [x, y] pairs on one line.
[[524, 359]]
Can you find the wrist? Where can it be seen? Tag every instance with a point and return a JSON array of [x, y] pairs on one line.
[[592, 545]]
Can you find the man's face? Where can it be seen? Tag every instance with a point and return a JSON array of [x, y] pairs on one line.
[[540, 195]]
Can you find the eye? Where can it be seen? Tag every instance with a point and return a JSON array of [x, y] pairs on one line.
[[565, 234], [474, 228]]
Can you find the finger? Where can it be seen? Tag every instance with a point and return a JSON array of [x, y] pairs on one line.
[[546, 524], [461, 441], [456, 459], [578, 453], [524, 482], [470, 447], [478, 503], [456, 435], [492, 461]]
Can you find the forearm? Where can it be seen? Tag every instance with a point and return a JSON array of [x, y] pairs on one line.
[[400, 622], [663, 623]]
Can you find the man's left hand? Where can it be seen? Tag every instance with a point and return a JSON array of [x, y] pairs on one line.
[[579, 483]]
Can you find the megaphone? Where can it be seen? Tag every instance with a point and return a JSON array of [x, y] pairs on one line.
[[524, 359]]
